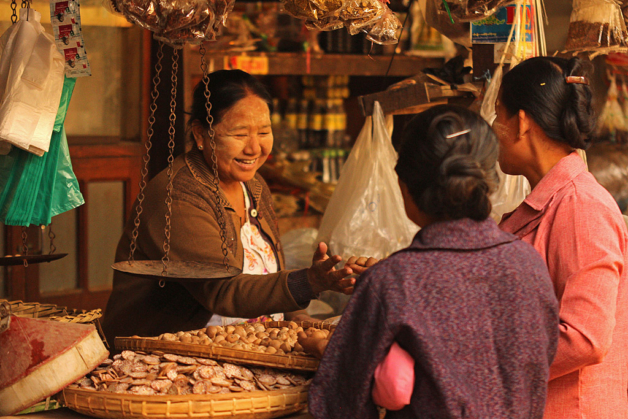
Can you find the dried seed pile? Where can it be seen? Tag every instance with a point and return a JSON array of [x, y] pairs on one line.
[[253, 337], [156, 373]]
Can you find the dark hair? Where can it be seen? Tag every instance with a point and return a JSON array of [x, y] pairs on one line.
[[226, 87], [563, 110], [449, 178]]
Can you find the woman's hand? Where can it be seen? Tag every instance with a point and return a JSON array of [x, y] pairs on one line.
[[322, 275], [314, 346], [360, 264]]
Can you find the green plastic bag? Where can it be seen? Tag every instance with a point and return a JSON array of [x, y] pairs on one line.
[[35, 189]]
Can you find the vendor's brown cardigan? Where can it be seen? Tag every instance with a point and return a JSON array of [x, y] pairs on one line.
[[141, 307]]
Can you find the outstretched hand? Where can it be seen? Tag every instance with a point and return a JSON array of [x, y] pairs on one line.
[[322, 275], [360, 264]]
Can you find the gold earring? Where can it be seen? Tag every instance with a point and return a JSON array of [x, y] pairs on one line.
[[200, 147]]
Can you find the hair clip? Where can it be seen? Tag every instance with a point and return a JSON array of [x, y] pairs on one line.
[[459, 133], [576, 80]]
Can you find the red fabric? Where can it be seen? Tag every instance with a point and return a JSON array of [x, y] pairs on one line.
[[394, 379], [579, 231]]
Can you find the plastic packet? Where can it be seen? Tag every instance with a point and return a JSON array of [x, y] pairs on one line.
[[64, 12], [612, 123], [358, 14], [69, 35], [76, 63], [458, 32], [312, 10], [66, 26], [596, 24], [385, 31]]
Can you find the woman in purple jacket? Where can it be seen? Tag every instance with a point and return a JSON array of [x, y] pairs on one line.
[[473, 306]]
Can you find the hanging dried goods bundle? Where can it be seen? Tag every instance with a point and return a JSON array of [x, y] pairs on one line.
[[312, 10], [596, 24], [169, 374], [386, 30], [359, 14], [469, 10], [178, 22]]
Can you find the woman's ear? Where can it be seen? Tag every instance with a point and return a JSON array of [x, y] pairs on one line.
[[198, 131], [524, 124]]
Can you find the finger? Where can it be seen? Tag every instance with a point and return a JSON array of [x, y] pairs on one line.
[[352, 260], [321, 253], [348, 291], [361, 261], [327, 265], [371, 261], [340, 274], [345, 283], [357, 268]]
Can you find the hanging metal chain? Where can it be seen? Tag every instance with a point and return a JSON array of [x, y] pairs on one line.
[[151, 122], [13, 11], [171, 144], [222, 224], [24, 245], [25, 4], [52, 236]]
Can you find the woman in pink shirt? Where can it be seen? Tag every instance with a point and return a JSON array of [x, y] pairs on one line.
[[544, 113]]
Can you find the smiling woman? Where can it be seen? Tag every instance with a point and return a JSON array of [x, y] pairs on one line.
[[221, 213]]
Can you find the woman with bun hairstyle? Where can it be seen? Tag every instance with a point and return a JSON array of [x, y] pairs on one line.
[[544, 113], [471, 304]]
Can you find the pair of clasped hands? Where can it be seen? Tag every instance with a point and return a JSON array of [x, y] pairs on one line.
[[322, 276]]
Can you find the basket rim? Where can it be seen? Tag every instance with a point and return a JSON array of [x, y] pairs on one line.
[[187, 397]]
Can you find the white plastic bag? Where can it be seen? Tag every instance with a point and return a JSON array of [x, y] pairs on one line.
[[366, 215]]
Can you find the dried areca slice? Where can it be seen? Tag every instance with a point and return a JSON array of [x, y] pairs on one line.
[[161, 386], [232, 371], [187, 360], [247, 374], [186, 369], [138, 374], [151, 360], [171, 357], [202, 387], [143, 390], [206, 372], [214, 389], [208, 362], [283, 381], [267, 380], [141, 382], [220, 382], [236, 389], [127, 355], [247, 385]]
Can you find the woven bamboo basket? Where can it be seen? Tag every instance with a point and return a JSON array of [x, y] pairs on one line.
[[252, 405], [236, 356]]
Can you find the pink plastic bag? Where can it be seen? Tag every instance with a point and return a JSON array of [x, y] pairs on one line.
[[394, 379]]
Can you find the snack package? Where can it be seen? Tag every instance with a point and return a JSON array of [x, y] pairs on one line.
[[386, 30], [468, 10], [326, 24], [65, 17], [596, 24], [358, 14]]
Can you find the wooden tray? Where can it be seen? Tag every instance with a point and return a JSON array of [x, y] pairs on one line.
[[236, 356], [247, 405]]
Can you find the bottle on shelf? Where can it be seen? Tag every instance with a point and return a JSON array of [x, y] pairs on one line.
[[329, 124], [315, 125], [302, 123], [289, 140]]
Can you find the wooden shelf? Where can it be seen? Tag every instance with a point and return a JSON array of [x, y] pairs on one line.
[[288, 63]]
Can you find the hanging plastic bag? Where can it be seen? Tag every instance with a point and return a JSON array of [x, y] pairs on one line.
[[36, 188], [358, 14], [596, 24], [366, 215], [612, 121]]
